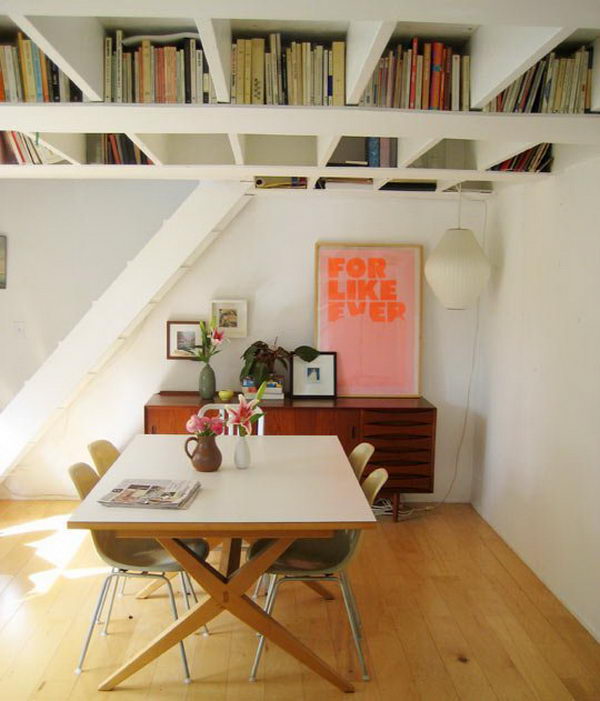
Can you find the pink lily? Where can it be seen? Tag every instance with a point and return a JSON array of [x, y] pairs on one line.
[[242, 414], [217, 337]]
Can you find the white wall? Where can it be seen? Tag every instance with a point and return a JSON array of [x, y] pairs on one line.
[[537, 409], [266, 256], [66, 242]]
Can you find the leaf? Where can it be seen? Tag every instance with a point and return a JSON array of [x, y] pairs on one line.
[[306, 353]]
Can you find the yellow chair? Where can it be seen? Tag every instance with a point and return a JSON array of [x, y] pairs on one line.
[[359, 458], [321, 560], [103, 454], [130, 557]]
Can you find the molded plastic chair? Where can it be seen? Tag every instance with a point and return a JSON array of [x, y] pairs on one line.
[[103, 455], [131, 557], [359, 458], [321, 560], [222, 411]]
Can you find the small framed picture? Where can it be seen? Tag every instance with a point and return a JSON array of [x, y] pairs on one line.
[[314, 380], [182, 336], [230, 316]]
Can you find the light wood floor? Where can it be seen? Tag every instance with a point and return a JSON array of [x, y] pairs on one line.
[[448, 609]]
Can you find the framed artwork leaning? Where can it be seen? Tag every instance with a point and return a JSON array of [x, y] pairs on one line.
[[315, 379], [182, 336], [368, 308], [230, 316]]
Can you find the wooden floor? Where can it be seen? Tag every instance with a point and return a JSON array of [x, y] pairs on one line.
[[448, 609]]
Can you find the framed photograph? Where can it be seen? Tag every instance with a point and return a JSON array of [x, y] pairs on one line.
[[231, 316], [2, 262], [182, 336], [314, 380], [368, 303]]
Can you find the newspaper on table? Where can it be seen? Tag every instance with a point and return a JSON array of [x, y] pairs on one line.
[[152, 494]]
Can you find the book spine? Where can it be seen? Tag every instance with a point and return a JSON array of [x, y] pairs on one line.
[[338, 51], [447, 78], [455, 83], [145, 73], [413, 74], [247, 72], [239, 72], [258, 71], [44, 77], [119, 65], [465, 80], [436, 75], [187, 73], [406, 79], [108, 69], [426, 76], [200, 75], [419, 84], [29, 71], [373, 153], [23, 67]]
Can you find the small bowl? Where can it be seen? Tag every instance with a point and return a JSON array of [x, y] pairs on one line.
[[225, 394]]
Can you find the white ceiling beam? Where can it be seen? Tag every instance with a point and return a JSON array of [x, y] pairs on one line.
[[215, 35], [500, 54], [365, 43], [85, 348], [327, 122], [583, 13], [75, 44]]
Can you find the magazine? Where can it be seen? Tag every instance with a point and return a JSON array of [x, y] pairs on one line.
[[152, 494]]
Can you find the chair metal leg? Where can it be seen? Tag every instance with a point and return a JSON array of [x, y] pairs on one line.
[[184, 589], [347, 595], [270, 603], [104, 595], [188, 589], [112, 601], [95, 616], [187, 679], [261, 583], [355, 609], [123, 586]]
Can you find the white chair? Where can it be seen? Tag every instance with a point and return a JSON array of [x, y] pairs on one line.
[[221, 409]]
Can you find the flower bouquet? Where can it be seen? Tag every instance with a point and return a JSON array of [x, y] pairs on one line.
[[243, 416], [206, 456]]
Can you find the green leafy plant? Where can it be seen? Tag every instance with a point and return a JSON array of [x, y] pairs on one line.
[[260, 359]]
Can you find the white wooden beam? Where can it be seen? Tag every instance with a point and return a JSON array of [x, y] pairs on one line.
[[409, 150], [155, 146], [84, 349], [490, 153], [238, 146], [326, 145], [75, 44], [215, 35], [500, 54], [70, 147], [365, 43]]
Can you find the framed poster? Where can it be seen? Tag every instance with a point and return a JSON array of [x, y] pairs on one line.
[[2, 262], [314, 380], [182, 336], [368, 302], [230, 316]]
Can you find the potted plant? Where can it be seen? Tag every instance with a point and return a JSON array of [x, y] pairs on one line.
[[260, 360]]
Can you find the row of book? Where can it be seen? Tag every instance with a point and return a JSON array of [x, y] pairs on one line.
[[16, 148], [535, 160], [28, 75], [173, 70], [114, 149], [552, 85], [280, 183], [431, 76], [302, 73]]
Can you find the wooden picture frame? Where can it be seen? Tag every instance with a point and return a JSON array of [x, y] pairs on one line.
[[314, 380], [368, 308], [3, 262], [182, 335], [230, 316]]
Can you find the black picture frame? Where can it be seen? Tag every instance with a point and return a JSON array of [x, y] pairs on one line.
[[314, 380]]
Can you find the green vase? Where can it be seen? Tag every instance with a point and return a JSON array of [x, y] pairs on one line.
[[207, 385]]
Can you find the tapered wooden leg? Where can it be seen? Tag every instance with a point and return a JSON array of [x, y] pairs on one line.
[[152, 586], [320, 589], [231, 555]]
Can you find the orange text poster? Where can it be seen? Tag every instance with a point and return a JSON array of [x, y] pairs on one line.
[[369, 312]]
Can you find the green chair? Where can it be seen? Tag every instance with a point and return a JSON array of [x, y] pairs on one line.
[[131, 557], [103, 454], [321, 560], [359, 458]]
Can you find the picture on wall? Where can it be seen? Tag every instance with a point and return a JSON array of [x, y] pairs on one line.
[[230, 316], [182, 336], [315, 379], [2, 262], [368, 307]]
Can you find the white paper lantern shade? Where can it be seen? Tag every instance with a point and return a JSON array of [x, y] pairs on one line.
[[457, 269]]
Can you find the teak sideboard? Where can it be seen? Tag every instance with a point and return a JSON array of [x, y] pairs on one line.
[[402, 430]]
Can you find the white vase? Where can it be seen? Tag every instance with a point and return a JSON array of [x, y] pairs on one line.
[[241, 455]]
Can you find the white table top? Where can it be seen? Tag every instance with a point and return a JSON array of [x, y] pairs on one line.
[[293, 481]]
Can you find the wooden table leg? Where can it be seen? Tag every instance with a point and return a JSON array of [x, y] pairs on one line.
[[231, 555]]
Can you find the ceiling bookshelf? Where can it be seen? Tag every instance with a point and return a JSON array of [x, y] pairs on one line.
[[242, 141]]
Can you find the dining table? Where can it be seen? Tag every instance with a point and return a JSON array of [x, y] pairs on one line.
[[295, 487]]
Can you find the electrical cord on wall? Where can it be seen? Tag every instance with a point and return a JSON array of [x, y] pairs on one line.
[[384, 506]]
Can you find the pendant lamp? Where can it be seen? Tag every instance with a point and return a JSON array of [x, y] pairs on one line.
[[457, 269]]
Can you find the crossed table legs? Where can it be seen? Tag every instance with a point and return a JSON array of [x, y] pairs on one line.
[[227, 593]]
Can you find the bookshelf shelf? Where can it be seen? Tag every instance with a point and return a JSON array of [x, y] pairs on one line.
[[228, 141]]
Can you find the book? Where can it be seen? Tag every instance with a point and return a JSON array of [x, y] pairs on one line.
[[152, 494], [258, 71], [338, 51], [436, 75], [373, 151]]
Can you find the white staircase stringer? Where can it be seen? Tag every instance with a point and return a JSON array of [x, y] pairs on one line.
[[111, 318]]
